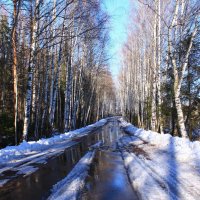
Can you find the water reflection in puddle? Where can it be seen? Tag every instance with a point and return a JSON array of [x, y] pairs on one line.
[[108, 179], [38, 185]]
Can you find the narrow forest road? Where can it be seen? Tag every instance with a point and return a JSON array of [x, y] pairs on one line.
[[108, 178], [158, 166], [126, 166], [33, 176]]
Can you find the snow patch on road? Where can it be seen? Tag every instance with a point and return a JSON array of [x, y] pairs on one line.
[[69, 187]]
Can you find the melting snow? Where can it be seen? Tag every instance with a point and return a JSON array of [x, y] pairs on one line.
[[27, 148], [161, 166], [69, 187]]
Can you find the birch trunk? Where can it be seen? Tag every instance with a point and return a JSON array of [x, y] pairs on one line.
[[30, 73], [46, 89], [68, 93], [153, 109], [178, 77], [15, 76], [177, 85], [52, 65], [53, 107], [75, 101], [160, 126]]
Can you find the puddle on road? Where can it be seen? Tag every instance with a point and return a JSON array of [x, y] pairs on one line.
[[108, 179], [37, 185]]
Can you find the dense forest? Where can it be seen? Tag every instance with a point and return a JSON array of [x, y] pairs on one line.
[[100, 99], [53, 67], [159, 79], [55, 76]]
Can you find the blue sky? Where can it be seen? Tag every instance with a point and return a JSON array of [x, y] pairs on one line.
[[119, 11]]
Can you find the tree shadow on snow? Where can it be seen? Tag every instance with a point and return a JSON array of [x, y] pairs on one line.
[[172, 173]]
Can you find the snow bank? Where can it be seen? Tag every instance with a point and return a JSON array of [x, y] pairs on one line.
[[69, 187], [27, 148], [161, 166], [142, 181], [183, 148]]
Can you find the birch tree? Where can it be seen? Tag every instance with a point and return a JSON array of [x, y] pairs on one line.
[[57, 48], [16, 9], [31, 71], [163, 47]]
